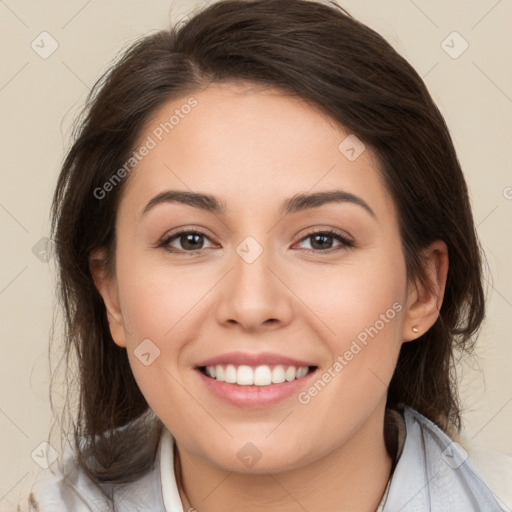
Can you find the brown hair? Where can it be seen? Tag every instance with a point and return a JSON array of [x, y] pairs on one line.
[[317, 52]]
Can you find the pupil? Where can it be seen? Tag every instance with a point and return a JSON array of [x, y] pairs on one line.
[[322, 245], [192, 236]]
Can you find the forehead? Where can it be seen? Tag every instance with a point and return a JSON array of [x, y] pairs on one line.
[[250, 144]]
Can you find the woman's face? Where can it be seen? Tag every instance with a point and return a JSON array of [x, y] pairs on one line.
[[253, 285]]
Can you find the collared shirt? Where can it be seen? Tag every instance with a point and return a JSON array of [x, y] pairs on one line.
[[433, 474]]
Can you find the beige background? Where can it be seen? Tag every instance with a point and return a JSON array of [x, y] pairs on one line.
[[39, 98]]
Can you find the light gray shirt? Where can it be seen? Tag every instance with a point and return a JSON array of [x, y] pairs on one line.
[[433, 474]]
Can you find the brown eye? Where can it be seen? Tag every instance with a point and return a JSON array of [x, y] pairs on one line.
[[188, 241], [322, 241]]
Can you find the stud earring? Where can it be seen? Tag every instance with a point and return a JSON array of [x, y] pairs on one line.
[[415, 330]]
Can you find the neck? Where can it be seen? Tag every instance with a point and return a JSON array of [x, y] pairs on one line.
[[353, 477]]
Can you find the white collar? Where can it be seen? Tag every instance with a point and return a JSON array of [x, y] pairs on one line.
[[170, 494]]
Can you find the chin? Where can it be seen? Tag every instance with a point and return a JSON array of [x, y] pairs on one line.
[[258, 456]]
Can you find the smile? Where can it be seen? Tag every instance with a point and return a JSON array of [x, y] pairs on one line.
[[263, 375]]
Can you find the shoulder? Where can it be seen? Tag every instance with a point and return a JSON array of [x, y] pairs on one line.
[[491, 468], [68, 487], [64, 487], [434, 472], [496, 470], [486, 474]]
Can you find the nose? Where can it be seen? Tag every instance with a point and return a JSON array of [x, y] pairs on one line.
[[254, 295]]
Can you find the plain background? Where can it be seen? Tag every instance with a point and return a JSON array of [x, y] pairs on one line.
[[39, 98]]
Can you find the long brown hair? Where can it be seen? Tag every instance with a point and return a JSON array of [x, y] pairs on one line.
[[317, 52]]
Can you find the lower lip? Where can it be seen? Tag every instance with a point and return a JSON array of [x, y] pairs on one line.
[[255, 396]]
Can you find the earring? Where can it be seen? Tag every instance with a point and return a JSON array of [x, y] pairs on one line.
[[415, 330]]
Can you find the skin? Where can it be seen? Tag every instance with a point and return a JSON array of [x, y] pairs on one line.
[[254, 148]]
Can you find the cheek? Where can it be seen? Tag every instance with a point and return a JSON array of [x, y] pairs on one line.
[[160, 306], [363, 307], [356, 297], [157, 300]]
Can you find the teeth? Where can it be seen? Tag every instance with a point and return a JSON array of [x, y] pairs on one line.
[[290, 373], [245, 376], [262, 376], [278, 374], [259, 376], [230, 375], [302, 372]]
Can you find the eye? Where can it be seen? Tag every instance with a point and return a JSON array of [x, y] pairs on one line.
[[322, 241], [190, 241]]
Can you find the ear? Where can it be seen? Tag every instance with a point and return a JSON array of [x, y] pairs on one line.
[[425, 299], [107, 287]]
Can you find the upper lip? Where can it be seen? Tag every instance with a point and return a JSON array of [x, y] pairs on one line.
[[245, 358]]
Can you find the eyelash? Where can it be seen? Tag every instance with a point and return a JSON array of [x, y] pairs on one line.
[[345, 242]]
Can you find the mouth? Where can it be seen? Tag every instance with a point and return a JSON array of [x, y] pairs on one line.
[[256, 376], [255, 380]]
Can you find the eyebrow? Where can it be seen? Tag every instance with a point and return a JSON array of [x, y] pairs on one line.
[[298, 203]]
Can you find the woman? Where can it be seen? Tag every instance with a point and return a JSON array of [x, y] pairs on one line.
[[267, 261]]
